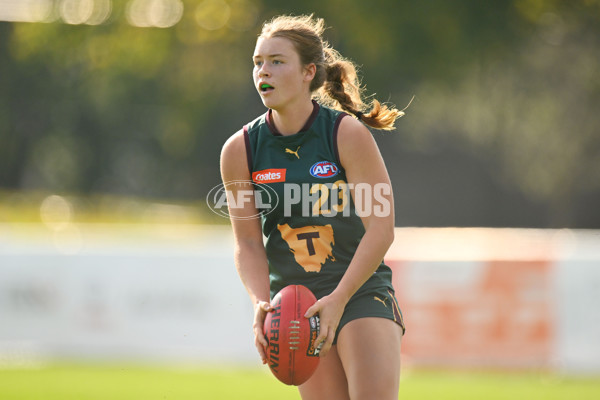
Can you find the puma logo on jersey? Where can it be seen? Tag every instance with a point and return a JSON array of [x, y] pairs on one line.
[[379, 300], [293, 152]]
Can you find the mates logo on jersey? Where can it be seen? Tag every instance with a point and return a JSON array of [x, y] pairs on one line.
[[270, 175], [324, 169]]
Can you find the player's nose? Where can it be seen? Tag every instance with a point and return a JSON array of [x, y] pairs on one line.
[[263, 71]]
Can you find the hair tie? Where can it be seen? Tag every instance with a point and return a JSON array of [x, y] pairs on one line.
[[358, 114]]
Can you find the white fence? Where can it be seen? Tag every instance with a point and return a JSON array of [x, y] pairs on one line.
[[166, 293], [170, 293]]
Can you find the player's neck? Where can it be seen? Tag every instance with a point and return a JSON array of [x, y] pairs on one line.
[[291, 119]]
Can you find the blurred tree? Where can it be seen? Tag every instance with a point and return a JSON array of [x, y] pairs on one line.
[[118, 108], [533, 110]]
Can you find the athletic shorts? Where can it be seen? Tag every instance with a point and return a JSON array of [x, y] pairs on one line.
[[380, 303]]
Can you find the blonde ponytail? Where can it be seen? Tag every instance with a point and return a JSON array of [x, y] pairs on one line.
[[336, 83]]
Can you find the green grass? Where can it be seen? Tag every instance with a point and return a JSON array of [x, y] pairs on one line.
[[467, 385], [87, 382]]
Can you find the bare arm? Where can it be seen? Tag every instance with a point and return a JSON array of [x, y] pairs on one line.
[[249, 252], [364, 165]]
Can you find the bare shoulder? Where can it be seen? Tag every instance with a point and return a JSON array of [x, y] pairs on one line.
[[233, 158], [355, 141], [234, 144]]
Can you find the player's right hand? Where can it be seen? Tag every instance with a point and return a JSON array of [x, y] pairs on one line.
[[261, 309]]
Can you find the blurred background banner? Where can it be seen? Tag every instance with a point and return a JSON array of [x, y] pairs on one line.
[[158, 294], [515, 298], [472, 298]]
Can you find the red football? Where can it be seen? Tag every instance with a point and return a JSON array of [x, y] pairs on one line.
[[291, 353]]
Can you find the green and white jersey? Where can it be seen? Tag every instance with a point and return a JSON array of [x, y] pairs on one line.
[[312, 230]]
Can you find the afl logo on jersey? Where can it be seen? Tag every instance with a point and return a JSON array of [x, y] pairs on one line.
[[324, 169]]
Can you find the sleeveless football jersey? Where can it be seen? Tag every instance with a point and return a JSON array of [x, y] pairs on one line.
[[310, 223]]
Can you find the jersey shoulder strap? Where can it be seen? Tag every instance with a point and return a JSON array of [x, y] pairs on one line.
[[251, 134]]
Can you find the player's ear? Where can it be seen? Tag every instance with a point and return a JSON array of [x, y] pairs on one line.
[[310, 71]]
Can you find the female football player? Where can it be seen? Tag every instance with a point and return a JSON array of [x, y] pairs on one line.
[[334, 219]]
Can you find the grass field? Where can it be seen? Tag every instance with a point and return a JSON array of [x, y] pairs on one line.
[[86, 382]]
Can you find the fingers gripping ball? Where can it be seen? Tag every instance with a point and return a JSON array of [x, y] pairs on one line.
[[291, 353]]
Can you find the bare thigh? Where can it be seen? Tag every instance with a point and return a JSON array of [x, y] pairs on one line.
[[369, 349], [328, 382]]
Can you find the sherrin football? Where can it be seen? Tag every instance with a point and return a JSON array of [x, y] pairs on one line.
[[291, 353]]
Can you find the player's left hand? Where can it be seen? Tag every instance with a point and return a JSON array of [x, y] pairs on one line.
[[330, 310]]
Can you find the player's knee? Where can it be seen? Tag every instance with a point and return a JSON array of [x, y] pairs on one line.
[[374, 389], [368, 395]]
